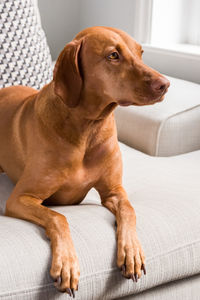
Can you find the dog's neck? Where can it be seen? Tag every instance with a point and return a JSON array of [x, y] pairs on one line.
[[55, 117], [95, 108]]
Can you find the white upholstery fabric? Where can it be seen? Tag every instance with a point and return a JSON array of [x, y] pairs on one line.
[[164, 129], [165, 193], [185, 289]]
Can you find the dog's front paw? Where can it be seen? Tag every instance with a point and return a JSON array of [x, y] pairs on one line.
[[65, 267], [130, 256]]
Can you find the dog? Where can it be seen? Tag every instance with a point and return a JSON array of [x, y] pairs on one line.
[[59, 142]]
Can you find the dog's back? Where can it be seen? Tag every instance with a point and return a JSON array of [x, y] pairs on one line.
[[12, 100], [16, 93]]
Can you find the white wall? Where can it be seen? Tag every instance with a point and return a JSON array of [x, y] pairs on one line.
[[61, 22], [114, 13], [63, 19]]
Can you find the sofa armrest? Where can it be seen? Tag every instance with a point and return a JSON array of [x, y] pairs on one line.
[[164, 129]]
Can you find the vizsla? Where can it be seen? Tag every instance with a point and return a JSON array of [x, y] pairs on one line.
[[59, 142]]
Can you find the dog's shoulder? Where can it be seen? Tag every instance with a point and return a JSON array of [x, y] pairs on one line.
[[18, 91]]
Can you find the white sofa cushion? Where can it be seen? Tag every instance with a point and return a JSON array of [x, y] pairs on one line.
[[164, 129], [24, 55], [184, 289], [165, 193]]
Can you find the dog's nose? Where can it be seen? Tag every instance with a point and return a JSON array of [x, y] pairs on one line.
[[160, 84]]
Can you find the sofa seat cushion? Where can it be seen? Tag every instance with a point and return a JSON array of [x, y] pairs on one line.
[[165, 193], [168, 128]]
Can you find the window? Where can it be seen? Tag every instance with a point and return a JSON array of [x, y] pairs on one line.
[[175, 22], [168, 23]]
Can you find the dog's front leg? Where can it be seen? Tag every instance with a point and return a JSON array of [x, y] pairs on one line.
[[130, 257], [65, 266]]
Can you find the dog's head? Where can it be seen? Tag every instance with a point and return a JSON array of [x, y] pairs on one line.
[[103, 66]]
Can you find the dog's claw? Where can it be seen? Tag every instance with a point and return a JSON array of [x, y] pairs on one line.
[[133, 277], [68, 291], [73, 293], [143, 268]]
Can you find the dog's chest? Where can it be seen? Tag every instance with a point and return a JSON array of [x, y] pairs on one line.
[[78, 181], [75, 187], [95, 156], [89, 168]]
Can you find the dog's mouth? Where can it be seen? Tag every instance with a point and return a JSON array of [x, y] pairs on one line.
[[141, 102], [125, 103]]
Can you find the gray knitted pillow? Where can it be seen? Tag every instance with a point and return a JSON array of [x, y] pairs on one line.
[[24, 54]]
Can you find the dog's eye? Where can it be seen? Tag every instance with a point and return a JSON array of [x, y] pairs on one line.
[[113, 56]]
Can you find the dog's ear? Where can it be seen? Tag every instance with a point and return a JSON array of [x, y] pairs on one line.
[[66, 74]]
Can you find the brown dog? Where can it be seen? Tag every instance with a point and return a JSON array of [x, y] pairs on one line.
[[58, 143]]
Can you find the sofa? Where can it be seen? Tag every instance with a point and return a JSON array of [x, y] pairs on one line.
[[160, 147]]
